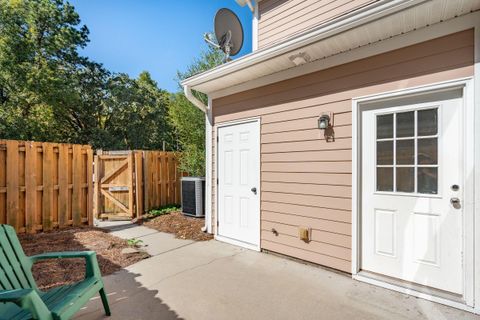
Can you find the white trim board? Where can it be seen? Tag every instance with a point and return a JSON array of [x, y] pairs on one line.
[[412, 292], [476, 173], [470, 235], [259, 188], [421, 35], [255, 28], [208, 166], [237, 243]]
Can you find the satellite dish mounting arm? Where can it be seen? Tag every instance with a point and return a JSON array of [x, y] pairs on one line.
[[208, 39], [225, 43]]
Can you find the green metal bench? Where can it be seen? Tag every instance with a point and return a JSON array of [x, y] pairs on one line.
[[20, 297]]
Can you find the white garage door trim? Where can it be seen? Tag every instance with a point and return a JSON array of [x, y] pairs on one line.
[[469, 196], [217, 236]]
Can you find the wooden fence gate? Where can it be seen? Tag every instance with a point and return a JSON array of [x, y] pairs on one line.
[[114, 185], [128, 183]]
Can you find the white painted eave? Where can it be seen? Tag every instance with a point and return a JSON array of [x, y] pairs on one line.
[[378, 21]]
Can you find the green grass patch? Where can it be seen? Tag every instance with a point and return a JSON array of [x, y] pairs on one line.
[[134, 242], [163, 210]]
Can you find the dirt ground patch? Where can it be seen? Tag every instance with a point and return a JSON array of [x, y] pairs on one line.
[[55, 272], [183, 227]]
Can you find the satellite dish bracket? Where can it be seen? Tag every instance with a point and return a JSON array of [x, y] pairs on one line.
[[226, 44]]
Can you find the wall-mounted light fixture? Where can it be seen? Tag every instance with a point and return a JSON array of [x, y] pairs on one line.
[[324, 121]]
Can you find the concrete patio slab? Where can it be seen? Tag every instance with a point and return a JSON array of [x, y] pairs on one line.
[[125, 229], [214, 280], [154, 242]]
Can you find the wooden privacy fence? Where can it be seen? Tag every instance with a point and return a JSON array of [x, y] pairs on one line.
[[45, 185], [49, 185], [128, 183], [162, 179]]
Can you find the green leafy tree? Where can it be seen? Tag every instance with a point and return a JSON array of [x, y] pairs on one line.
[[189, 123], [188, 120], [83, 117], [48, 92], [139, 113], [39, 40]]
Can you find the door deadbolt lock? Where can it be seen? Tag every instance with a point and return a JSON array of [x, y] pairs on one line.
[[455, 187]]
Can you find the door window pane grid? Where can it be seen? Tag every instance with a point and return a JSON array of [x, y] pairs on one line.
[[410, 163]]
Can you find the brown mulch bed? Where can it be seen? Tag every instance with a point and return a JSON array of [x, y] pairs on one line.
[[55, 272], [183, 227]]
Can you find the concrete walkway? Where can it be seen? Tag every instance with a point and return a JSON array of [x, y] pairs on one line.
[[213, 280]]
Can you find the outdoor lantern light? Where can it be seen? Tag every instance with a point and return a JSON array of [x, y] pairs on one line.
[[324, 122]]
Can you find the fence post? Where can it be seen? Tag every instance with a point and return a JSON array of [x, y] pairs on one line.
[[30, 186], [47, 214], [63, 190], [96, 193], [13, 187], [155, 180], [89, 165], [139, 183], [131, 172], [77, 180], [146, 180]]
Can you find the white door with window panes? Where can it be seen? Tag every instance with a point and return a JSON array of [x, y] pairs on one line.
[[412, 189]]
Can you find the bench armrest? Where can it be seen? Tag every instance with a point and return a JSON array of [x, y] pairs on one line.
[[90, 259], [14, 295], [61, 255], [27, 299]]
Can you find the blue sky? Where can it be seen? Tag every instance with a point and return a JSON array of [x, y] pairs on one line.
[[155, 35]]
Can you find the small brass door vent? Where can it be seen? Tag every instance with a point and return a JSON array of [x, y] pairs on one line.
[[305, 234]]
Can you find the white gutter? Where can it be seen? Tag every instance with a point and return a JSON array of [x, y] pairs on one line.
[[249, 3], [255, 28], [242, 3], [199, 104], [208, 140], [369, 13]]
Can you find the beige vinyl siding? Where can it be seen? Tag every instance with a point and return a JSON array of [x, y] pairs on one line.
[[305, 180], [280, 19]]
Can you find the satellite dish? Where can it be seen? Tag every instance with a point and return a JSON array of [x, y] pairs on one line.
[[228, 32]]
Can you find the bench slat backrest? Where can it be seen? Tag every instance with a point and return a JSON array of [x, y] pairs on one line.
[[15, 267]]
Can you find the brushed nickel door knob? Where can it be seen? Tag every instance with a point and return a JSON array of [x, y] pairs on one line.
[[455, 202]]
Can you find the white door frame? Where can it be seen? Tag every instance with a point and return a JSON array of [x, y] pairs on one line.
[[208, 166], [218, 237], [471, 170]]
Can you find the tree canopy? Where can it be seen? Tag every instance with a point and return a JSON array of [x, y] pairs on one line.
[[188, 120], [49, 92]]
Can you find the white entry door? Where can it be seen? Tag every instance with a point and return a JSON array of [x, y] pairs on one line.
[[239, 183], [412, 190]]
